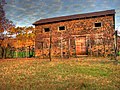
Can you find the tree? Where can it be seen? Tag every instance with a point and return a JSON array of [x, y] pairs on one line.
[[115, 46], [25, 38], [5, 26]]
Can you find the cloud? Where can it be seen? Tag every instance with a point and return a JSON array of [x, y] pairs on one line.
[[28, 11], [118, 10], [15, 7]]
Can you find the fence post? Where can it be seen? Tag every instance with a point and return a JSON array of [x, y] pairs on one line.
[[115, 47]]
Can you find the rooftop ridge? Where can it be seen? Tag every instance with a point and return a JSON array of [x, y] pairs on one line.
[[70, 17]]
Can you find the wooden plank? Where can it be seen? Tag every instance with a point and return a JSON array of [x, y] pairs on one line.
[[80, 45]]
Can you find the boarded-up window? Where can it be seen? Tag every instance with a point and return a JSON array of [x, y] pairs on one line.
[[46, 29]]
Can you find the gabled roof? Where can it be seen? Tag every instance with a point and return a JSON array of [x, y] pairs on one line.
[[72, 17]]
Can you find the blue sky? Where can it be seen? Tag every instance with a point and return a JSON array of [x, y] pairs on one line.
[[26, 12]]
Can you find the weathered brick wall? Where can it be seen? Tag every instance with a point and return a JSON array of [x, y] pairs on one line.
[[82, 27]]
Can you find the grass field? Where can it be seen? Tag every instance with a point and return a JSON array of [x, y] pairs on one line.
[[74, 74]]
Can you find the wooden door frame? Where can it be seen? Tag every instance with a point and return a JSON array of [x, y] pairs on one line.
[[78, 36]]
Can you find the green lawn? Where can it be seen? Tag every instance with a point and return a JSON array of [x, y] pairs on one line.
[[80, 74]]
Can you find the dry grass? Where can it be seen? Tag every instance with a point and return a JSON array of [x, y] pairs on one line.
[[83, 73]]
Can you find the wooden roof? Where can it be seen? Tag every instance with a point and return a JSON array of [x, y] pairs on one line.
[[72, 17]]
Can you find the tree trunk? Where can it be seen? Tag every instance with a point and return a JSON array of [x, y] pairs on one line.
[[29, 52], [26, 51], [115, 47], [50, 48], [16, 53], [4, 53], [32, 51], [22, 52]]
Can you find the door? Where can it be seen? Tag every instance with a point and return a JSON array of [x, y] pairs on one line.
[[80, 45]]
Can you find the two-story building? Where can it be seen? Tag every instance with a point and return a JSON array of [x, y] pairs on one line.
[[80, 34]]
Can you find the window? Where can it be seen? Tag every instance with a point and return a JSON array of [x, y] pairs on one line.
[[97, 24], [46, 29], [61, 28]]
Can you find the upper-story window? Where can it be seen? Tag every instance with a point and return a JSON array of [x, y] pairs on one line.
[[97, 24], [61, 28], [46, 29]]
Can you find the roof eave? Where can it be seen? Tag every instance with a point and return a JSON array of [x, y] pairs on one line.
[[71, 17]]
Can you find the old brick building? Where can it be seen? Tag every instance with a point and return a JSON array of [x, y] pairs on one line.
[[81, 34]]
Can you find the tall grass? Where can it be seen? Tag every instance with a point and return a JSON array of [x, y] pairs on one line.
[[58, 75]]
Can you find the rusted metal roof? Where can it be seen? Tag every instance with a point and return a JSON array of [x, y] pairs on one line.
[[72, 17]]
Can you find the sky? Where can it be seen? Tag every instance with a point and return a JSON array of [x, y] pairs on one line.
[[26, 12]]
